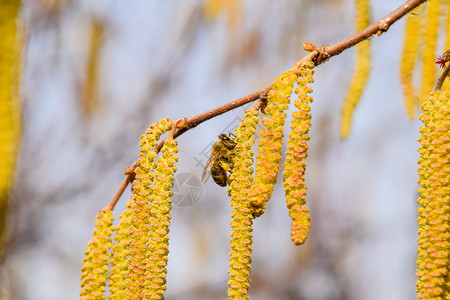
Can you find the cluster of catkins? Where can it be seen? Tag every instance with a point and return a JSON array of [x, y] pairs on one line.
[[139, 246], [249, 193], [138, 258], [420, 42], [139, 253]]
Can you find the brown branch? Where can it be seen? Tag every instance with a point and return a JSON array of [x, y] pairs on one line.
[[128, 179], [325, 52], [441, 79], [192, 122], [318, 56]]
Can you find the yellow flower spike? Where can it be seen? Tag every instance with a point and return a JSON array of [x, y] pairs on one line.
[[295, 165], [138, 247], [155, 273], [242, 215], [408, 59], [118, 279], [362, 69], [429, 56], [433, 260], [11, 43], [269, 156], [94, 271]]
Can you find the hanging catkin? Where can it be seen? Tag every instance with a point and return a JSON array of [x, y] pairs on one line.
[[269, 148], [433, 260], [11, 42], [362, 69], [295, 165], [408, 59], [94, 271], [431, 29], [242, 212]]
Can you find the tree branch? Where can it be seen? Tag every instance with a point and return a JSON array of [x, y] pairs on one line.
[[325, 52], [318, 56], [441, 79]]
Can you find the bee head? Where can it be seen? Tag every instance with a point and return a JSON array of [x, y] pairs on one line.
[[228, 142], [224, 137]]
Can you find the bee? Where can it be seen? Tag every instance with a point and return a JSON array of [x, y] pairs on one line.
[[221, 160]]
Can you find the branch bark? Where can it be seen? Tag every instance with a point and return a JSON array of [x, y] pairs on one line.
[[318, 56], [441, 79]]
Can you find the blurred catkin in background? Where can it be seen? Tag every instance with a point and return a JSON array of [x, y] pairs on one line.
[[10, 46]]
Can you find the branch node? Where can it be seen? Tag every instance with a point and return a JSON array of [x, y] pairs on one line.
[[323, 54], [383, 25], [130, 169], [182, 124]]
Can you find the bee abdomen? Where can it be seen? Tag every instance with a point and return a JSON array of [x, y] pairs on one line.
[[219, 175]]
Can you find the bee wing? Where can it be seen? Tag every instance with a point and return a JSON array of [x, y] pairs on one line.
[[207, 170]]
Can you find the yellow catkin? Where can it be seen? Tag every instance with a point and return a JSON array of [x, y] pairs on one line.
[[429, 53], [409, 57], [433, 260], [156, 271], [90, 97], [362, 69], [240, 181], [295, 165], [143, 188], [94, 271], [10, 53], [269, 154], [133, 250], [118, 278]]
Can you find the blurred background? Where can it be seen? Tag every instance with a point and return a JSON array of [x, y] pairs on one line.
[[96, 74]]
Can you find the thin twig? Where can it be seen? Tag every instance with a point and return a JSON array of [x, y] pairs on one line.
[[325, 52], [318, 56], [127, 180], [441, 79]]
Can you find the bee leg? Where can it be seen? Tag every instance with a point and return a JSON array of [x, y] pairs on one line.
[[226, 166]]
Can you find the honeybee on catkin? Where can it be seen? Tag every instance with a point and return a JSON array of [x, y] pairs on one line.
[[221, 160]]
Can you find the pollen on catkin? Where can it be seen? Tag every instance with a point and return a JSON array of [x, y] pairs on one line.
[[431, 29], [118, 278], [361, 72], [94, 271], [156, 271], [142, 197], [433, 260], [240, 181], [408, 59], [295, 164], [269, 154]]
